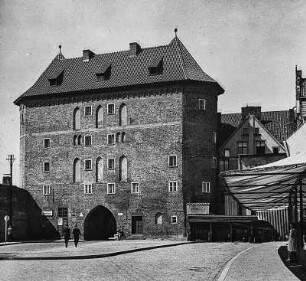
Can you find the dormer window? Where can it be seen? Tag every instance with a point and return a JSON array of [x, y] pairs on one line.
[[56, 78], [156, 66], [104, 73]]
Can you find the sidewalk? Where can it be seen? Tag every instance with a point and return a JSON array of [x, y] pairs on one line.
[[262, 262], [56, 250]]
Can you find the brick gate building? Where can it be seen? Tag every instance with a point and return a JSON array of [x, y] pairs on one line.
[[121, 140]]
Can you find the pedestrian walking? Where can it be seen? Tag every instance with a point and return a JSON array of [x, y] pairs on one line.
[[292, 245], [76, 235], [66, 233]]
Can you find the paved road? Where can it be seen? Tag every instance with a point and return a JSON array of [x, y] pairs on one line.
[[200, 261], [262, 263]]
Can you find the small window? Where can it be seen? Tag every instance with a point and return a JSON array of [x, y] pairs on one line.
[[172, 161], [111, 164], [62, 212], [172, 186], [79, 140], [88, 165], [88, 188], [88, 140], [111, 188], [158, 218], [156, 66], [214, 137], [275, 150], [111, 109], [260, 147], [46, 167], [202, 104], [47, 143], [227, 153], [88, 110], [206, 187], [256, 131], [123, 137], [224, 165], [47, 189], [111, 139], [135, 187], [242, 147], [173, 219]]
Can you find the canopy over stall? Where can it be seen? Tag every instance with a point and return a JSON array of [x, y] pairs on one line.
[[267, 187]]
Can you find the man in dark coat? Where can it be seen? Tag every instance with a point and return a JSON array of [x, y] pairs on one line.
[[76, 235], [66, 233]]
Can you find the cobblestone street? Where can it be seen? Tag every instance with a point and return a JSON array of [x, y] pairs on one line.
[[196, 261]]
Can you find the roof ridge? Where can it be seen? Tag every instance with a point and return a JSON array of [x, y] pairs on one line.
[[176, 40]]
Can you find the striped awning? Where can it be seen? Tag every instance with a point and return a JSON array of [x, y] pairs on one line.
[[267, 187]]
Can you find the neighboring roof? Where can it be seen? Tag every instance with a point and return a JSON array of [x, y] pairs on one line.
[[258, 123], [127, 70], [277, 123], [267, 187]]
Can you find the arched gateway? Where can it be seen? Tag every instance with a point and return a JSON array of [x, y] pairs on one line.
[[100, 224]]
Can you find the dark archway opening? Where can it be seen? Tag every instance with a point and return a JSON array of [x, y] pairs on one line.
[[100, 224]]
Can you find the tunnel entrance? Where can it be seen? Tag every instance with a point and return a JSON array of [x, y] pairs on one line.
[[100, 224]]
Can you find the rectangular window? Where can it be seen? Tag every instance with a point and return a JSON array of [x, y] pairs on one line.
[[46, 167], [173, 219], [47, 143], [242, 147], [224, 165], [88, 140], [202, 104], [63, 212], [88, 188], [47, 189], [88, 165], [111, 109], [227, 153], [275, 150], [111, 164], [111, 188], [256, 131], [111, 139], [206, 187], [172, 186], [172, 161], [88, 110], [260, 147], [135, 187], [214, 137]]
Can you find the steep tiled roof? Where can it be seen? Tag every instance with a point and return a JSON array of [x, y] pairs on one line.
[[277, 122], [126, 70]]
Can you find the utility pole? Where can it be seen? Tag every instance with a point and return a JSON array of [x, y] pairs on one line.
[[11, 160]]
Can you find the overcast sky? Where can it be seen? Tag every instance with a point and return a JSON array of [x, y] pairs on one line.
[[250, 47]]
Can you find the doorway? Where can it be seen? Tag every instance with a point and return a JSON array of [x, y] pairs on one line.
[[137, 225]]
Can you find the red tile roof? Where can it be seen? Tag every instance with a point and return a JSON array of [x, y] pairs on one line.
[[126, 70]]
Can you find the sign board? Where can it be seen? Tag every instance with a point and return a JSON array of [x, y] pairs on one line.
[[47, 213], [6, 218], [197, 208], [120, 214], [60, 221]]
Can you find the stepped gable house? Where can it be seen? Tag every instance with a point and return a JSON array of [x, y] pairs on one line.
[[121, 140]]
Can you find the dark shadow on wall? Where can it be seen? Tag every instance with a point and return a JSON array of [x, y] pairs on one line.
[[298, 270], [26, 220]]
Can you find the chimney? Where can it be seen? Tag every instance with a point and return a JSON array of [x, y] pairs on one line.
[[251, 110], [88, 55], [135, 49]]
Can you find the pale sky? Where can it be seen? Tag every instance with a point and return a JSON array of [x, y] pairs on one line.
[[250, 47]]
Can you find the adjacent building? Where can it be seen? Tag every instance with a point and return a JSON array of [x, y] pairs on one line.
[[122, 140]]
